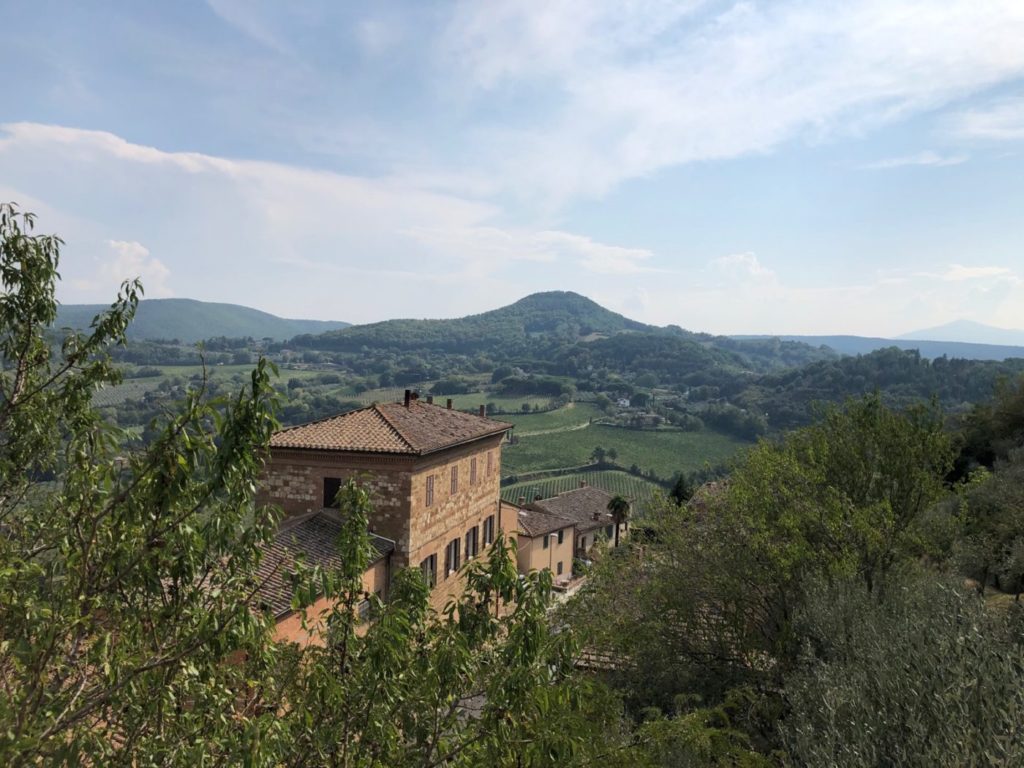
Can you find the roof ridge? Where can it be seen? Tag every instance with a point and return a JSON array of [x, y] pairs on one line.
[[322, 419], [384, 417]]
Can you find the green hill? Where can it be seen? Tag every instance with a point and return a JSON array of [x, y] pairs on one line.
[[569, 331], [189, 321], [555, 316]]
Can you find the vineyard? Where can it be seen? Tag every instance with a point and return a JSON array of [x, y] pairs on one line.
[[640, 491]]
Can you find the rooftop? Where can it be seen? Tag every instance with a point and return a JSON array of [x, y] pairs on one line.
[[579, 506], [314, 540], [414, 429], [533, 522]]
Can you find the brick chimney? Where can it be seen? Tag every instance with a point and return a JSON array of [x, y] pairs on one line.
[[583, 483], [408, 397], [483, 411], [522, 501], [430, 399], [449, 403], [537, 497]]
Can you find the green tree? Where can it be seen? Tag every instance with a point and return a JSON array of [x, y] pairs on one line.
[[125, 584], [682, 489], [129, 633], [598, 455], [619, 508]]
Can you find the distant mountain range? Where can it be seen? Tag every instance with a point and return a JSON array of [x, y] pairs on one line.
[[862, 345], [970, 332], [548, 319], [190, 321]]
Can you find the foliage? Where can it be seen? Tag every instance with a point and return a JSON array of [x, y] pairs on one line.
[[487, 683], [922, 676], [124, 586]]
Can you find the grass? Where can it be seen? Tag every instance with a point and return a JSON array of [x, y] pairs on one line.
[[637, 489], [664, 451]]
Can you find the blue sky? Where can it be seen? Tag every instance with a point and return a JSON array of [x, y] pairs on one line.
[[763, 167]]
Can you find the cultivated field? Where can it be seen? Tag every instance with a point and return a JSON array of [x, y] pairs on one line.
[[663, 451]]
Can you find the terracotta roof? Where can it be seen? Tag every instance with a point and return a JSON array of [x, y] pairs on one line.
[[390, 428], [315, 540], [534, 522], [579, 506]]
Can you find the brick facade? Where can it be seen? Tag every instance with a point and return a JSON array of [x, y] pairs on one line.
[[294, 479]]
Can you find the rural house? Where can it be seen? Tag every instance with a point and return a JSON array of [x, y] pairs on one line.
[[551, 532], [434, 475]]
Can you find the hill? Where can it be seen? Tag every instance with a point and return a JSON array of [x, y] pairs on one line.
[[862, 345], [970, 332], [569, 332], [190, 321], [554, 316]]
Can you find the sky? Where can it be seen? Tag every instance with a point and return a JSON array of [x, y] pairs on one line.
[[793, 166]]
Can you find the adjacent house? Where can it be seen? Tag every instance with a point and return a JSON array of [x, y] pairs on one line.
[[552, 532], [543, 541], [433, 471]]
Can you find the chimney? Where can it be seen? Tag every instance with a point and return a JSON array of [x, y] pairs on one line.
[[415, 395], [537, 497], [522, 501], [430, 399], [449, 403], [583, 483], [408, 397], [483, 410], [597, 515]]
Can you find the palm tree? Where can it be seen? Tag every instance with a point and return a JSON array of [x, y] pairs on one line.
[[619, 507]]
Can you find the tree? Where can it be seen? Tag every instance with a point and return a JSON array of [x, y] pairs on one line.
[[130, 632], [619, 508], [598, 455], [682, 489], [125, 585], [611, 454]]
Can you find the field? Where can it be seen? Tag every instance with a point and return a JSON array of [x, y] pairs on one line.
[[640, 491], [664, 451]]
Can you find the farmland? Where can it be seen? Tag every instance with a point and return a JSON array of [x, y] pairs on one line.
[[663, 451]]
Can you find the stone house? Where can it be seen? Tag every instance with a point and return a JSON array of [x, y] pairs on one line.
[[433, 472]]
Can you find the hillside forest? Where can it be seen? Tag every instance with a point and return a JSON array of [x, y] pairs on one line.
[[845, 590]]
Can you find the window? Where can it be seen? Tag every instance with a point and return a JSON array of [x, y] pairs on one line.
[[429, 568], [609, 531], [561, 537], [332, 485], [490, 463], [472, 471], [430, 490], [451, 557], [489, 531], [472, 542], [455, 480], [559, 567], [546, 537]]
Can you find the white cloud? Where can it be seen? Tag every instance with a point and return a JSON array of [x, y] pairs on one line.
[[742, 268], [623, 90], [926, 158], [131, 260], [957, 273], [1002, 120], [321, 244]]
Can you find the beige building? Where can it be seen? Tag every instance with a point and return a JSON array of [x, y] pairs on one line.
[[551, 532], [543, 541], [433, 472]]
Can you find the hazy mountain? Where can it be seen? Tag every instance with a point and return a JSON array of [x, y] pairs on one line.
[[190, 320], [969, 331], [862, 345]]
